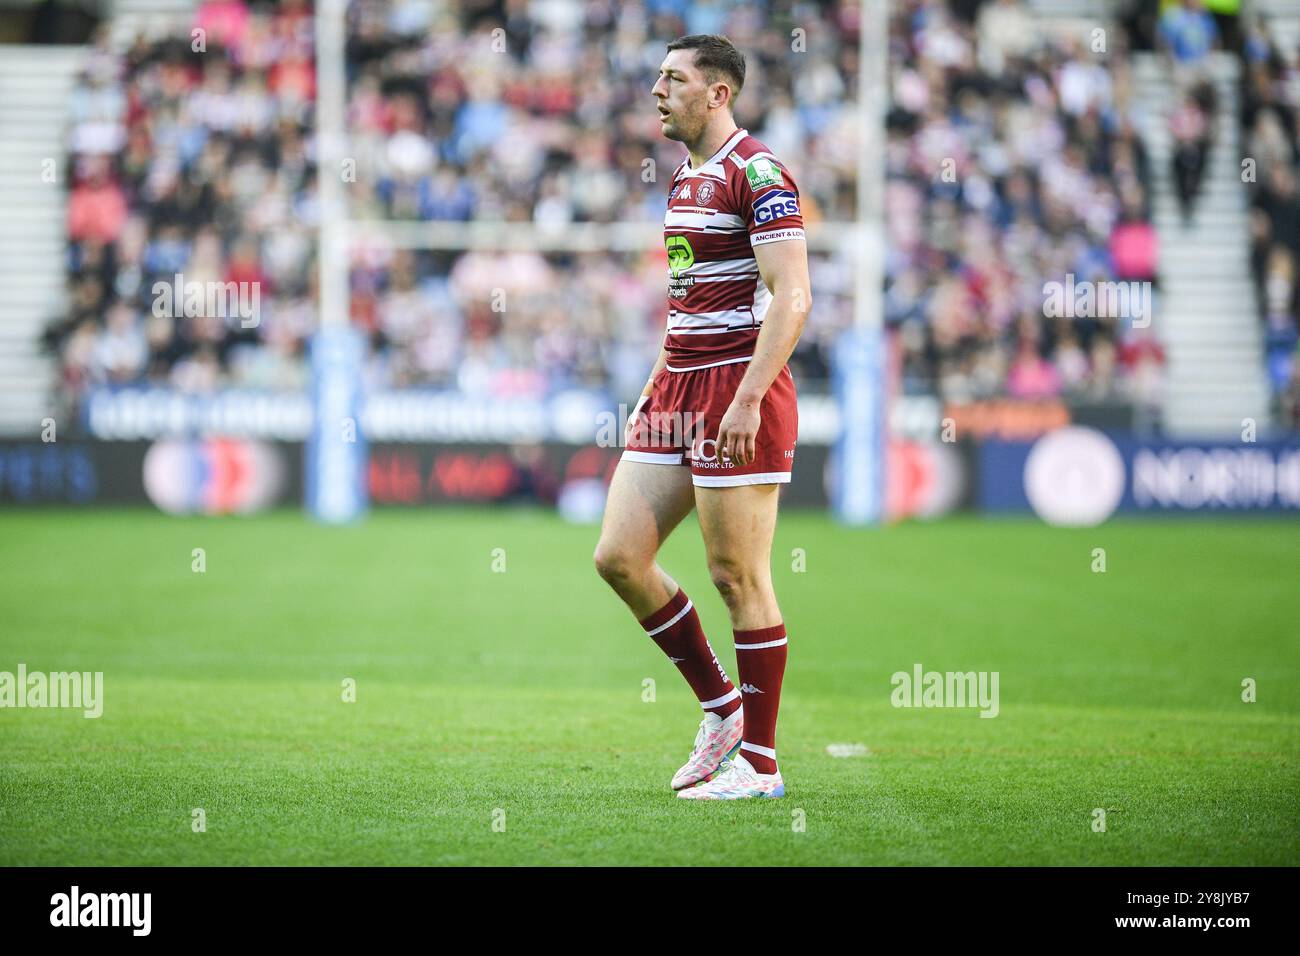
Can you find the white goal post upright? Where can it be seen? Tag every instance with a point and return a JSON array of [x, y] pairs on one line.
[[860, 359], [331, 137], [873, 107], [335, 462]]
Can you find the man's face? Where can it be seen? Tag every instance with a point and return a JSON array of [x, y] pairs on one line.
[[683, 95]]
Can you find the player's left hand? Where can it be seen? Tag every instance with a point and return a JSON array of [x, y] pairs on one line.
[[738, 432]]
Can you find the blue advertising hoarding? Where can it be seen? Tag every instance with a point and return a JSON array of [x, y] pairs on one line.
[[1081, 475]]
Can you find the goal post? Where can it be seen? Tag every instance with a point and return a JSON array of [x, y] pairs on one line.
[[335, 481], [859, 364]]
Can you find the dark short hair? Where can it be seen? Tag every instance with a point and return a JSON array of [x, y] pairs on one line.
[[716, 56]]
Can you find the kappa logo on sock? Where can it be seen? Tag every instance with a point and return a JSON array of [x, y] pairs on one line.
[[676, 660], [749, 689]]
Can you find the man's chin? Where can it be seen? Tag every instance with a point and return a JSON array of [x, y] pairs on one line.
[[669, 130]]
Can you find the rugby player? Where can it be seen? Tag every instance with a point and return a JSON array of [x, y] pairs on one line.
[[715, 428]]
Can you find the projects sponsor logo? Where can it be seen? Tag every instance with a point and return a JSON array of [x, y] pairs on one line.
[[680, 258], [680, 254]]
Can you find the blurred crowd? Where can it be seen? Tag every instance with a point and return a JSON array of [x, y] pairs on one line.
[[1010, 158], [190, 157], [1012, 162], [194, 156], [1271, 138], [541, 113], [1188, 34]]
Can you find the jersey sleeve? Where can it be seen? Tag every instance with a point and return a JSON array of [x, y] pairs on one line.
[[769, 202]]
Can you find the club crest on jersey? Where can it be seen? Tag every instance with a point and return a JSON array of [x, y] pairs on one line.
[[775, 204], [762, 172], [704, 194]]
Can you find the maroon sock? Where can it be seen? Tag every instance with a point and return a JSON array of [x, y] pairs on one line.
[[760, 657], [675, 627]]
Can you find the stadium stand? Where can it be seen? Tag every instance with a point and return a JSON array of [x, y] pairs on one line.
[[201, 163]]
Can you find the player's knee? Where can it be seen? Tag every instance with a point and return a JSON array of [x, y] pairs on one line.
[[616, 565], [734, 582]]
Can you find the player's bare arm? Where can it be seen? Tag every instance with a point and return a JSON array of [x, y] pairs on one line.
[[784, 269]]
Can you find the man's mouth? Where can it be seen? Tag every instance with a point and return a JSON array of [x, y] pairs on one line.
[[663, 113]]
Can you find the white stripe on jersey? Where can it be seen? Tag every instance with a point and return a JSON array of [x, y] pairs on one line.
[[695, 368], [762, 299], [719, 330], [709, 220], [750, 316], [742, 268], [707, 171], [742, 163], [696, 320]]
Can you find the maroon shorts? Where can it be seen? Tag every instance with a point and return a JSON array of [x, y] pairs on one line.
[[679, 426]]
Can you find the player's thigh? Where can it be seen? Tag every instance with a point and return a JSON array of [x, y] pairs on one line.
[[645, 503], [738, 524]]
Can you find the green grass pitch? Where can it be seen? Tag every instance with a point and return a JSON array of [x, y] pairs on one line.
[[517, 696]]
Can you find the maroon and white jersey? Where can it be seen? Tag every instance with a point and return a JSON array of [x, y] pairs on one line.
[[740, 198]]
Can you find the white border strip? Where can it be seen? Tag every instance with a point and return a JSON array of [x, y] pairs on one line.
[[719, 701], [696, 368], [777, 235], [732, 481], [653, 458], [754, 647], [755, 748], [673, 620]]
